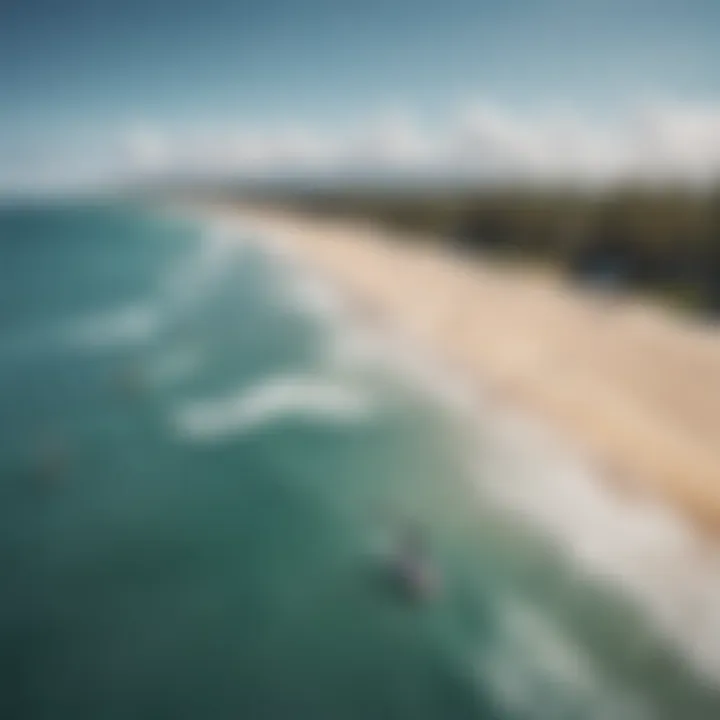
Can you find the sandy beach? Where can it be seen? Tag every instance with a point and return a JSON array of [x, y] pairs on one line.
[[633, 387]]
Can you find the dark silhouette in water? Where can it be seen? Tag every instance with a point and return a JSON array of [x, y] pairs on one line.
[[408, 570]]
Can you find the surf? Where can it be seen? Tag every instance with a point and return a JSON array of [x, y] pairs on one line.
[[302, 397]]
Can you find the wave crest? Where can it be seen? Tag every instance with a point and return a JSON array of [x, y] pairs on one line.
[[276, 397]]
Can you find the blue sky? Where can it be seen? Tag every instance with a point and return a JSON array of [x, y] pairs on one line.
[[76, 74]]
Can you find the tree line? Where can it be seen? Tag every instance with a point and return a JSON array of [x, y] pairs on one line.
[[663, 241]]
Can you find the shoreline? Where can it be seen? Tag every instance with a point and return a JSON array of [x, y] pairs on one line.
[[652, 550], [633, 390]]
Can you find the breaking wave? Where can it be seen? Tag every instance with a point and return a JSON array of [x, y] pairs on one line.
[[273, 398], [534, 668], [187, 283], [640, 546], [307, 294]]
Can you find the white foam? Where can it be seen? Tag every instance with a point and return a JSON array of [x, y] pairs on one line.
[[411, 363], [350, 345], [534, 667], [188, 282], [132, 323], [305, 293], [641, 547], [355, 348], [273, 398], [184, 284], [357, 341]]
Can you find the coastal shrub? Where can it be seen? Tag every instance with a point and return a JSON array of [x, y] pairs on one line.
[[659, 240]]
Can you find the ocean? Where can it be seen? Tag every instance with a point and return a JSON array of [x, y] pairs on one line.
[[203, 462]]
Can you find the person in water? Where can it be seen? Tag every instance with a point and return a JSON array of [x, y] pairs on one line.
[[412, 541], [410, 568]]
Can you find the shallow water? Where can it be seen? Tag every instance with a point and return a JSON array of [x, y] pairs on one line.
[[200, 466]]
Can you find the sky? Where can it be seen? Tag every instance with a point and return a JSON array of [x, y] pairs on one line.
[[92, 90]]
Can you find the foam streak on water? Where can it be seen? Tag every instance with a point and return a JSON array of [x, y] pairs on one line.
[[641, 546], [301, 396]]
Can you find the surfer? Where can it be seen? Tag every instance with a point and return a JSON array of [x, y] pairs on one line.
[[410, 568]]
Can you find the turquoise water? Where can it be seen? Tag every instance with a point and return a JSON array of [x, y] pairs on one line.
[[197, 481]]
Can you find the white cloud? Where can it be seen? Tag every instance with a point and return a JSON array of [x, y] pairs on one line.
[[223, 151], [662, 141], [548, 146], [148, 148], [394, 140], [487, 133], [674, 140]]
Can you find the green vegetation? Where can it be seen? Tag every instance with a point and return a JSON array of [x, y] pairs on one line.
[[663, 241]]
